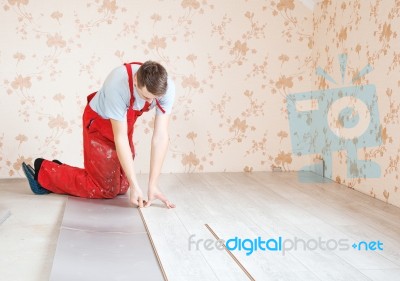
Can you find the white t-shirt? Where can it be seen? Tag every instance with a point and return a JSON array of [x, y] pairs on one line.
[[113, 99]]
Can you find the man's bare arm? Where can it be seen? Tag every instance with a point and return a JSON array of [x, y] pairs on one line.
[[126, 160]]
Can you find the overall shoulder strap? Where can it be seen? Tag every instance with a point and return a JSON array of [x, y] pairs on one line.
[[130, 80], [159, 106]]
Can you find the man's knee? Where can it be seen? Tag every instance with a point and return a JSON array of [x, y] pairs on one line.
[[110, 191]]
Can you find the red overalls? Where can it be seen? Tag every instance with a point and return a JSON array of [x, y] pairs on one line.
[[102, 176]]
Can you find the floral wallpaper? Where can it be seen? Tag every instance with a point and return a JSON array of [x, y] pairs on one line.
[[234, 66], [367, 32]]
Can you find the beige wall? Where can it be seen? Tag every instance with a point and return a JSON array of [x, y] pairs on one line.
[[234, 64]]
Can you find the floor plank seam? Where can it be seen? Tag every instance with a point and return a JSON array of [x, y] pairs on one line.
[[153, 246], [231, 255]]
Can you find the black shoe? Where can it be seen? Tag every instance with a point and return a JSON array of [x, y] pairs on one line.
[[37, 164], [34, 185]]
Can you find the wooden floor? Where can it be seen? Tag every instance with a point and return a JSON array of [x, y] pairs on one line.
[[243, 205], [270, 205]]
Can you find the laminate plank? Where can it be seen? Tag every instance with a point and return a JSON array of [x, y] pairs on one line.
[[262, 265], [383, 275], [356, 212], [172, 230]]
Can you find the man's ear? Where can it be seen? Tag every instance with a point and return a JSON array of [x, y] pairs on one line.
[[135, 81]]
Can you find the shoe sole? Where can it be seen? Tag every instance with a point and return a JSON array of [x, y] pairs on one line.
[[31, 170]]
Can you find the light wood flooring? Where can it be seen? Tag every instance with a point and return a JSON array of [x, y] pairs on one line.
[[226, 205]]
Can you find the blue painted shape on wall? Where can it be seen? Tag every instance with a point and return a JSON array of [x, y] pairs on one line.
[[311, 133]]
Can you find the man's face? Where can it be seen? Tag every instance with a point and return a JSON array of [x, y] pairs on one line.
[[144, 93]]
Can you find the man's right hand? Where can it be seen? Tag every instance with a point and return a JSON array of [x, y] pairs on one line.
[[136, 197]]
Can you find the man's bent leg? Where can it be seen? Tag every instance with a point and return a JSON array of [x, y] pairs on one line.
[[65, 179]]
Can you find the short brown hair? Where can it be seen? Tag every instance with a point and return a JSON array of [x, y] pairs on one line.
[[154, 76]]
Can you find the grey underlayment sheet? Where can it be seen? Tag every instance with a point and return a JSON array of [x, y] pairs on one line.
[[103, 240], [4, 214]]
